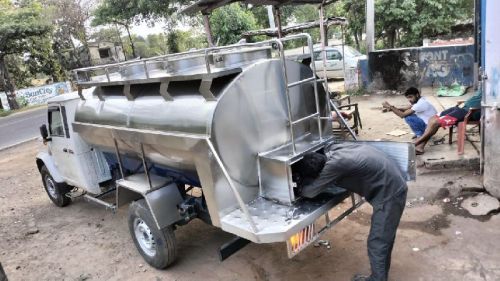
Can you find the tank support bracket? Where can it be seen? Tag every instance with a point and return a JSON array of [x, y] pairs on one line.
[[205, 91], [164, 91], [126, 92]]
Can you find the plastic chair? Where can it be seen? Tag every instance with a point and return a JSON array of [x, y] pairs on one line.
[[461, 130]]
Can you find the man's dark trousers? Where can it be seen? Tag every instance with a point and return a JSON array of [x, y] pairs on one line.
[[385, 222]]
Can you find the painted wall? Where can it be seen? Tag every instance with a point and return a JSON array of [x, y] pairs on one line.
[[37, 95], [398, 69]]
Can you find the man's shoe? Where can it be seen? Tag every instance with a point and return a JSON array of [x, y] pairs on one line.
[[360, 277]]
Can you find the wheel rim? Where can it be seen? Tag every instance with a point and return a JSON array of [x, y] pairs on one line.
[[51, 187], [144, 237]]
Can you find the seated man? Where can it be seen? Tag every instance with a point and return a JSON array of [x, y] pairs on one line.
[[449, 117], [364, 170], [417, 114]]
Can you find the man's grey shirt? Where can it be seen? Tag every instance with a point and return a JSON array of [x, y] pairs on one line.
[[359, 168]]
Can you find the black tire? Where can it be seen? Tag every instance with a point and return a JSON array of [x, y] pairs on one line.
[[165, 245], [56, 191]]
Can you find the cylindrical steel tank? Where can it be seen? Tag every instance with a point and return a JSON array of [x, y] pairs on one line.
[[240, 108]]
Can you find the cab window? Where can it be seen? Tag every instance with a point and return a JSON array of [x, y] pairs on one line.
[[56, 127], [317, 56], [333, 55]]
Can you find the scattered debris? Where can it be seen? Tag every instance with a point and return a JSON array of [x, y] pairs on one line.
[[84, 277], [397, 133], [323, 243], [446, 200], [32, 231], [481, 204], [415, 249]]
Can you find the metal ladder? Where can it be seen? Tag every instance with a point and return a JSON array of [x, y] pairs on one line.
[[314, 80]]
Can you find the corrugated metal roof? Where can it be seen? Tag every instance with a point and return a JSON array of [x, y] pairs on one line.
[[207, 6], [296, 28]]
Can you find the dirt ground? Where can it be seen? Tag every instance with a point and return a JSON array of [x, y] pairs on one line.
[[436, 240]]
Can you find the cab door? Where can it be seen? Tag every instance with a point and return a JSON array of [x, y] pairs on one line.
[[334, 63], [60, 144]]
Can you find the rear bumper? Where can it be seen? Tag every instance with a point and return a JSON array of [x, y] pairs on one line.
[[277, 223]]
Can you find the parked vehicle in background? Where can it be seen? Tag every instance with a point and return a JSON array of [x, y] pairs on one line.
[[335, 60]]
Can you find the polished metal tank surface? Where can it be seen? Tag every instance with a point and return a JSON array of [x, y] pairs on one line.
[[246, 116]]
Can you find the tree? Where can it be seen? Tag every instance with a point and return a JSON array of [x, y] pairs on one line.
[[405, 23], [229, 22], [18, 26], [69, 19], [117, 12]]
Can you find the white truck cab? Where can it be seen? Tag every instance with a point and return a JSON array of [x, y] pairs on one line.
[[70, 160]]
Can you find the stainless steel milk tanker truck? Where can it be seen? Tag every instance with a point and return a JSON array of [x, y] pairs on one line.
[[211, 134]]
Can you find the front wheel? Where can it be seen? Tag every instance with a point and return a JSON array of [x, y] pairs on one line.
[[157, 246], [56, 191]]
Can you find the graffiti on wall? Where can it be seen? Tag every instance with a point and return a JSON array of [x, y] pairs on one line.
[[446, 66], [425, 66], [37, 95]]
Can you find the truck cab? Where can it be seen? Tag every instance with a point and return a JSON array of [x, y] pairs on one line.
[[70, 160]]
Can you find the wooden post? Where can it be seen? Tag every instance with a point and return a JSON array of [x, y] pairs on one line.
[[208, 30], [277, 18]]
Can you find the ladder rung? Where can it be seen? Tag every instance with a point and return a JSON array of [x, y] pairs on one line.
[[307, 80], [305, 118]]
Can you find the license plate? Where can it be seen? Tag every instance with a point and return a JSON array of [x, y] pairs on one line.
[[300, 240]]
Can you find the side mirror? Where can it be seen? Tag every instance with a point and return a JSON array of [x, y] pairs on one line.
[[45, 133]]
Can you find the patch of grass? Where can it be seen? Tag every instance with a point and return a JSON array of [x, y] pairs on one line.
[[4, 113], [357, 92]]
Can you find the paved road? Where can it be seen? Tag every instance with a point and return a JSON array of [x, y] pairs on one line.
[[21, 126]]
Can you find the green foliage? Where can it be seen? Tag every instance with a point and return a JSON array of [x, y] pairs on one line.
[[22, 27], [181, 41], [229, 22]]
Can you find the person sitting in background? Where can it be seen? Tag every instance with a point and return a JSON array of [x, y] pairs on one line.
[[449, 117], [417, 114]]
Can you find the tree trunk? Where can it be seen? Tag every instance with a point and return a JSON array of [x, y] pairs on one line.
[[1, 105], [8, 85], [121, 41], [356, 39], [391, 37], [131, 42]]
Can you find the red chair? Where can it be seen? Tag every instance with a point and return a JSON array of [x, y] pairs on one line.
[[461, 130]]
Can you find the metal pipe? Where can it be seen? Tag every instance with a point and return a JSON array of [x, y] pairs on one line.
[[270, 16], [315, 86], [370, 26], [287, 95], [305, 118], [118, 156], [233, 188], [325, 78], [301, 82], [145, 166], [342, 120], [343, 57], [323, 51]]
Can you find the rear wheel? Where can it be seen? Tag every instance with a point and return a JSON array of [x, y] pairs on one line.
[[157, 246], [56, 191]]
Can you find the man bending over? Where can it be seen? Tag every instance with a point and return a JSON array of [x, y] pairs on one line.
[[364, 170]]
